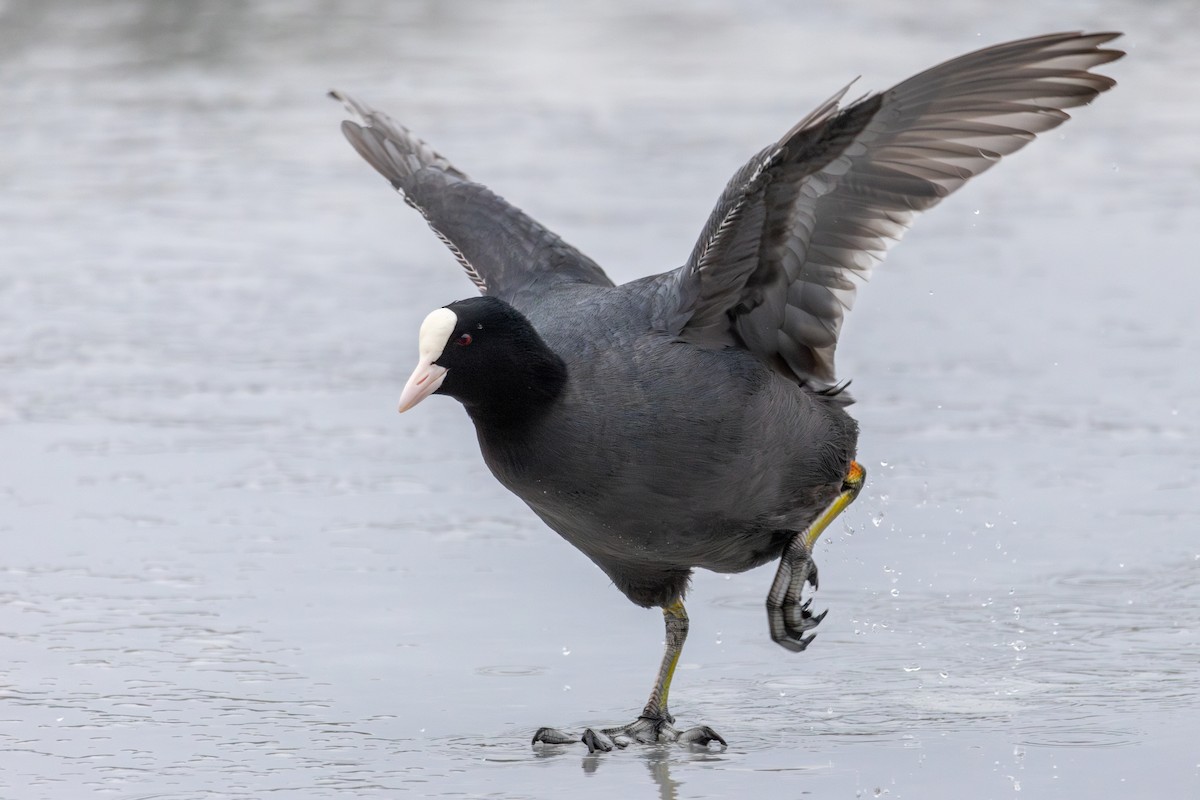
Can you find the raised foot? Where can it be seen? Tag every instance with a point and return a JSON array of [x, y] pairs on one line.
[[789, 618], [643, 730]]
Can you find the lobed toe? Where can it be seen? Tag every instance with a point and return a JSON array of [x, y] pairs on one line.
[[553, 736]]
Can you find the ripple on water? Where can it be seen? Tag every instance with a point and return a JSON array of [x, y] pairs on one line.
[[510, 670], [1082, 736]]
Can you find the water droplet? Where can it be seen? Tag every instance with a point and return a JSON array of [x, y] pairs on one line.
[[566, 652], [1018, 645], [977, 212], [895, 592], [944, 674], [877, 520], [883, 463], [914, 668]]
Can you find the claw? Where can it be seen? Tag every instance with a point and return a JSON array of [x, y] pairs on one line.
[[796, 644], [701, 735], [596, 741], [789, 615], [801, 619]]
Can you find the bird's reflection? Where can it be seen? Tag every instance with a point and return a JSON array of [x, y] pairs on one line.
[[658, 760]]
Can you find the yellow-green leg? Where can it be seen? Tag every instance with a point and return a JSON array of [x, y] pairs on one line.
[[655, 723], [789, 619]]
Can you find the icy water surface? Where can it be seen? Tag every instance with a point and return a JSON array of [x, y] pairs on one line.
[[229, 569]]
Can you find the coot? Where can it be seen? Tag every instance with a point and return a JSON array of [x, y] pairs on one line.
[[693, 418]]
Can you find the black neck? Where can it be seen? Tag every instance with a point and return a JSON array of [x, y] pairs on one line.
[[521, 393]]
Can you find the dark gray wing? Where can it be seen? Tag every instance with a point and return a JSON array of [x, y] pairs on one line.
[[502, 249], [774, 268]]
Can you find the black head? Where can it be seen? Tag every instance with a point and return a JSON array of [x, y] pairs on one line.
[[487, 355]]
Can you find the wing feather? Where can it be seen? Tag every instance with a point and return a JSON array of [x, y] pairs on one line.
[[778, 263], [503, 250]]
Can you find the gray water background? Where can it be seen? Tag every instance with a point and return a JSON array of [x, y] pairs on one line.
[[228, 569]]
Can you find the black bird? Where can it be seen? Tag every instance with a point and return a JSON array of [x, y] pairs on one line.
[[693, 418]]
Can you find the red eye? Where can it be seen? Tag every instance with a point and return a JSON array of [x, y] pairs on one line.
[[464, 340]]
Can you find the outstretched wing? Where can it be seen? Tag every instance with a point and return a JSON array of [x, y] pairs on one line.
[[774, 268], [503, 250]]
